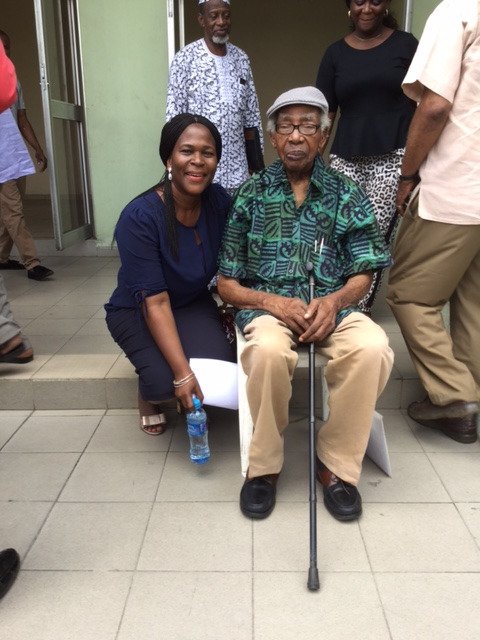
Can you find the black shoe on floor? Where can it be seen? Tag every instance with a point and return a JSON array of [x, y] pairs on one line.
[[457, 420], [11, 264], [462, 430], [257, 497], [342, 499], [9, 566], [39, 272]]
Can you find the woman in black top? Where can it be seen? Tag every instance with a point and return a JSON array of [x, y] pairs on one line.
[[362, 75]]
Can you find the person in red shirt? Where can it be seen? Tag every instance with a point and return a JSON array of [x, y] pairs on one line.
[[13, 228], [8, 81]]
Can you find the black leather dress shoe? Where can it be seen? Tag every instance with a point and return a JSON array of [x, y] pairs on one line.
[[341, 498], [257, 497], [39, 272], [11, 264], [9, 566], [457, 420]]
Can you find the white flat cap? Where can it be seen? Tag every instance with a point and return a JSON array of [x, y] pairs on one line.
[[302, 95]]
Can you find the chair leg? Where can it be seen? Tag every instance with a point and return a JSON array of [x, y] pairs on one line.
[[245, 423]]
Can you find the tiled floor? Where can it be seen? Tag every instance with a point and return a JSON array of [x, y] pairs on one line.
[[122, 538]]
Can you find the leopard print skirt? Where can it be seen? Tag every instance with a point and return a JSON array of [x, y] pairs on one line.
[[378, 177]]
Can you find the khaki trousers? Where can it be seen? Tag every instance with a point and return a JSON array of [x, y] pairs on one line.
[[360, 362], [8, 327], [13, 229], [436, 263]]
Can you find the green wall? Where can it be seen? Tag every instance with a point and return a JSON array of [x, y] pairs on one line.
[[421, 10], [124, 50]]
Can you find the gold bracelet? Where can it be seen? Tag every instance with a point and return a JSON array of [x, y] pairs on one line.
[[180, 383], [189, 375]]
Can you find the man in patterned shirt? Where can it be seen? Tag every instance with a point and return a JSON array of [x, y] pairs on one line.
[[294, 212], [212, 77]]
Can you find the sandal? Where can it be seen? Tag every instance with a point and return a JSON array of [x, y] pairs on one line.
[[20, 354], [153, 425]]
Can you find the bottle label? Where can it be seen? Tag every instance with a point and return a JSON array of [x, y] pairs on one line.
[[197, 429]]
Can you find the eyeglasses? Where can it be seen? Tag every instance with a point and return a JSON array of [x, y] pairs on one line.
[[305, 128]]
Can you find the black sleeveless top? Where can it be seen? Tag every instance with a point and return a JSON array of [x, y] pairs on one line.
[[366, 86]]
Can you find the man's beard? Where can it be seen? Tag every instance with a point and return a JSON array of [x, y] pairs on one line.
[[220, 40]]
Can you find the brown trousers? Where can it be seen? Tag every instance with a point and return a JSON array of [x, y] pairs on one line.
[[360, 362], [13, 229], [436, 263]]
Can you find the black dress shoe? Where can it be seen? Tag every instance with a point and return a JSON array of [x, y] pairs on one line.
[[11, 264], [257, 497], [9, 566], [457, 420], [341, 498], [39, 272]]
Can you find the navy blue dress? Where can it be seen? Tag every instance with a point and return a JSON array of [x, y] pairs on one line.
[[148, 268]]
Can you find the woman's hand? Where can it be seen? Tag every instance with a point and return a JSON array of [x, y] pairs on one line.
[[159, 318], [185, 392]]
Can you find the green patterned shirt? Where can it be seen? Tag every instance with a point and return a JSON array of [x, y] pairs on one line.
[[268, 241]]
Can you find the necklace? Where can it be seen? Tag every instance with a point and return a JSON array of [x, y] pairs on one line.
[[369, 37]]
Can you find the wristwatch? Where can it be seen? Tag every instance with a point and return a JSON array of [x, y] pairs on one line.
[[414, 176]]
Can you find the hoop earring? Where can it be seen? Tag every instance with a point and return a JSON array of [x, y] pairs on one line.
[[386, 12], [349, 14], [169, 173]]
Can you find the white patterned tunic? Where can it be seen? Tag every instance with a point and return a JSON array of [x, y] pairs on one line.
[[220, 88]]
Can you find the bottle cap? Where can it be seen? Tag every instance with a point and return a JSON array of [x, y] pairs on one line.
[[196, 403]]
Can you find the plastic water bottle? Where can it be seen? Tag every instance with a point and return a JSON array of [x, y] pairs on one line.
[[198, 433]]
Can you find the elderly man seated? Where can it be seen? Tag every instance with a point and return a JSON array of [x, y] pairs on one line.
[[298, 211]]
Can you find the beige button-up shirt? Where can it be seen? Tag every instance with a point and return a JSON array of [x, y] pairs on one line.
[[447, 62]]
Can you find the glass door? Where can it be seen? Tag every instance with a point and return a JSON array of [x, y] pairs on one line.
[[64, 115]]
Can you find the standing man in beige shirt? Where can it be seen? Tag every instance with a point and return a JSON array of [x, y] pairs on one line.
[[437, 253]]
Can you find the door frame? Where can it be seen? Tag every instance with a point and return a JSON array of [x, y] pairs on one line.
[[65, 111], [408, 15], [175, 27]]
